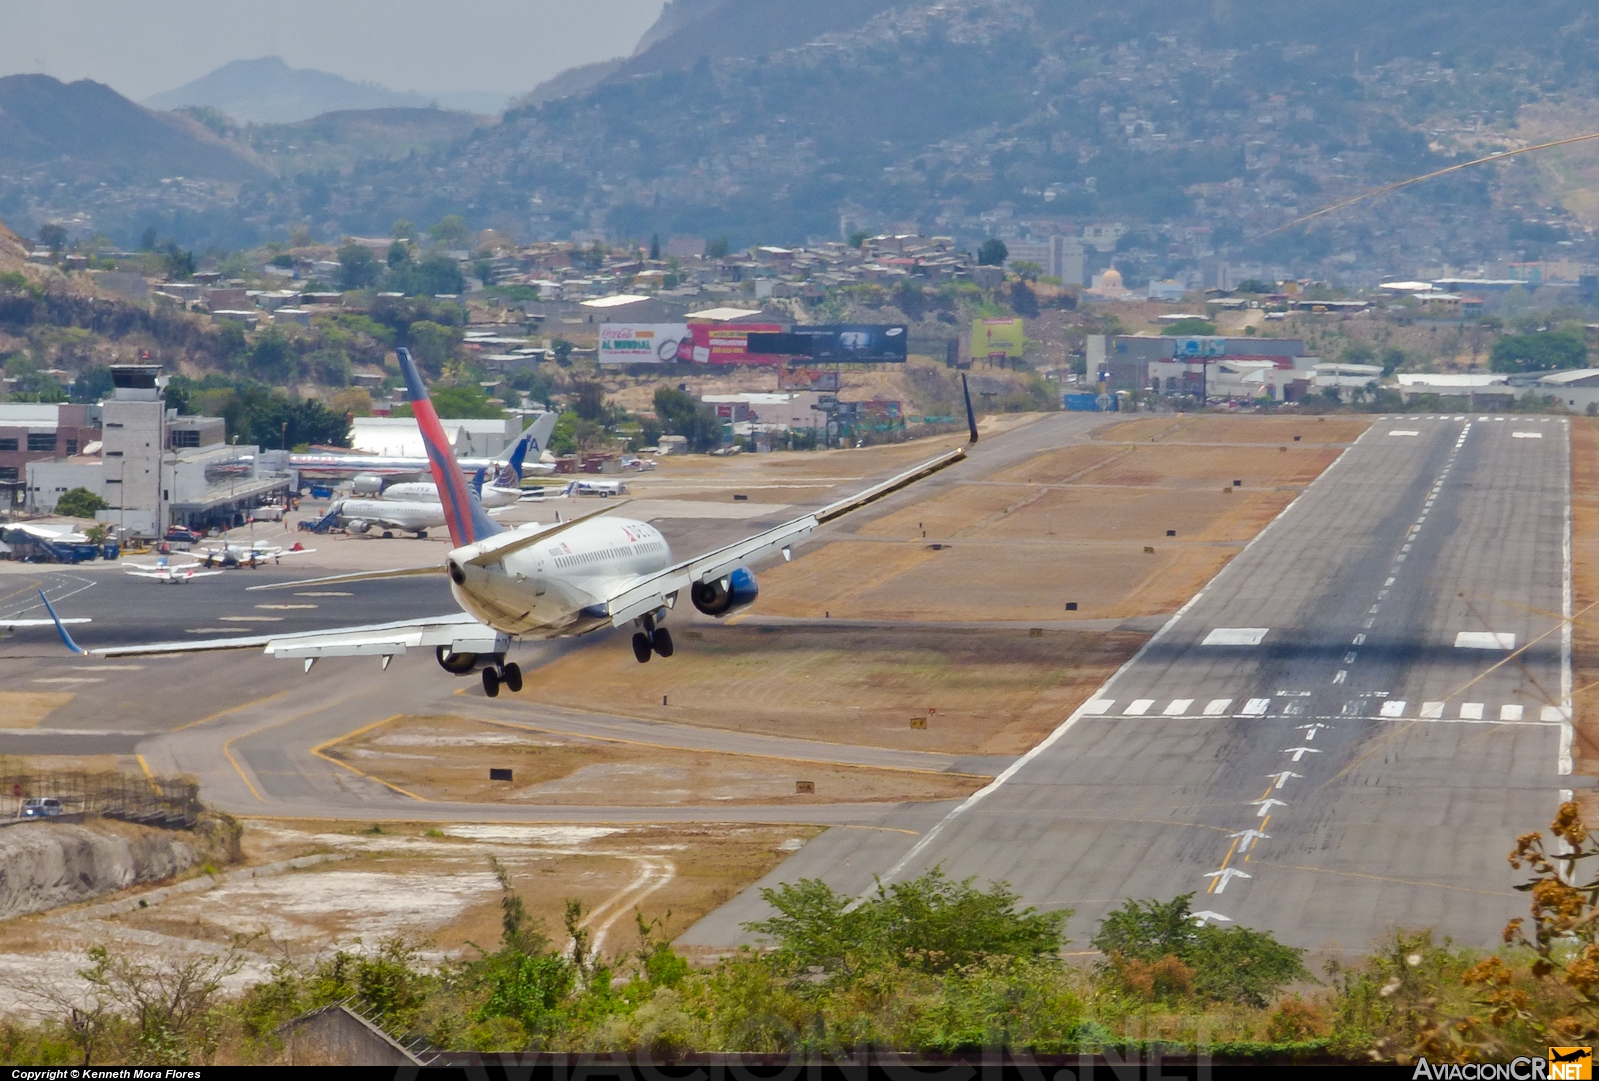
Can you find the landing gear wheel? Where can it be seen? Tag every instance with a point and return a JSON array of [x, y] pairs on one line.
[[491, 683], [662, 641], [511, 676], [421, 534], [641, 646]]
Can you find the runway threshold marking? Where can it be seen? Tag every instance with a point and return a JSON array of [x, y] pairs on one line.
[[320, 747]]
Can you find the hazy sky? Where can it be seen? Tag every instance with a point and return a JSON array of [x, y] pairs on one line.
[[143, 48]]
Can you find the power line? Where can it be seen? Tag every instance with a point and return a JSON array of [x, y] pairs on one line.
[[1418, 179]]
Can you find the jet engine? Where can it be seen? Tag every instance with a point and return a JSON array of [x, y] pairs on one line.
[[358, 526], [366, 484], [721, 595]]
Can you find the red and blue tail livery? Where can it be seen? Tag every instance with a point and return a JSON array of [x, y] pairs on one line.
[[462, 514]]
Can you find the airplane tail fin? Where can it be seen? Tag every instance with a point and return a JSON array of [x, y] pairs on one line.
[[454, 495], [540, 431], [512, 476], [66, 639], [477, 482]]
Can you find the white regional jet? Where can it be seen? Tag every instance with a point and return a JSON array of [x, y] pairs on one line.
[[544, 581], [163, 571]]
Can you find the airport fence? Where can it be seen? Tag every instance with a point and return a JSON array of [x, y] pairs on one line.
[[170, 802]]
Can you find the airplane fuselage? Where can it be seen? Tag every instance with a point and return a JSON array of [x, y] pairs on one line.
[[492, 495], [558, 587]]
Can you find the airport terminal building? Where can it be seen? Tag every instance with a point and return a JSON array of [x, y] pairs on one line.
[[153, 467]]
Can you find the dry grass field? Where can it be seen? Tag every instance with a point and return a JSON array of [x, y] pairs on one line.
[[1585, 595], [448, 758], [981, 691], [1071, 525], [433, 886]]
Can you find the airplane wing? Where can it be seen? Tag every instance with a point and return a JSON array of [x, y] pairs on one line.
[[635, 597], [458, 632], [14, 624]]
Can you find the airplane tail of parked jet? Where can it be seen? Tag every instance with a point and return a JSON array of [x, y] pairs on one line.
[[463, 514]]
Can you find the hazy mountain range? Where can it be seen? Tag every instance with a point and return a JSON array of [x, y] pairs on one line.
[[268, 91], [1198, 128]]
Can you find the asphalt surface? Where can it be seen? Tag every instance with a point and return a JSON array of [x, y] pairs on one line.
[[247, 724], [1398, 807], [1383, 763]]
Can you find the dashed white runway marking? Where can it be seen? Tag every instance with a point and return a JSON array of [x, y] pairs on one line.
[[1217, 706], [1178, 707], [1510, 713], [1392, 708], [1138, 707], [1235, 636], [1256, 707], [1471, 711], [1432, 711], [1526, 435], [1485, 640]]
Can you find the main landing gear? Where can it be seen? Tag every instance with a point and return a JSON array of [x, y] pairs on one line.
[[496, 673], [510, 675], [651, 639]]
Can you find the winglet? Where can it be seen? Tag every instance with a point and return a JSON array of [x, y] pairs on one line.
[[971, 417], [66, 638]]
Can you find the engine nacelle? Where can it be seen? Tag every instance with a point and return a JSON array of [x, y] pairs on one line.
[[721, 595], [358, 526], [366, 484]]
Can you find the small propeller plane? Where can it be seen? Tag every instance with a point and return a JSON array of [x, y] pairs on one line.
[[163, 571], [554, 580]]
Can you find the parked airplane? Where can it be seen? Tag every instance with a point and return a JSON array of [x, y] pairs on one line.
[[163, 571], [544, 581], [255, 554], [339, 464], [506, 489]]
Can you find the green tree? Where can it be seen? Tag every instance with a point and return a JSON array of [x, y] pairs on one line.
[[1237, 964], [1540, 351], [449, 230], [92, 384], [433, 345], [994, 252], [695, 421], [403, 230], [357, 268], [52, 236], [272, 358], [399, 252], [1027, 271], [929, 923], [717, 248], [459, 403], [859, 237], [655, 245], [1023, 300], [590, 401], [437, 275], [1255, 286], [79, 503]]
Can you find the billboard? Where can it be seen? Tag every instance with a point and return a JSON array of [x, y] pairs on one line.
[[1200, 347], [844, 343], [728, 343], [645, 343], [995, 338]]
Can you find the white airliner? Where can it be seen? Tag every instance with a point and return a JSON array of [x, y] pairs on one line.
[[341, 463], [388, 515], [543, 581], [163, 571]]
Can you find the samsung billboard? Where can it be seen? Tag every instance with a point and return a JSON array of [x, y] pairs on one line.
[[842, 343]]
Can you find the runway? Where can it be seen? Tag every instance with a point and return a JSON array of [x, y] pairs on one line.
[[1335, 761], [1344, 732]]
